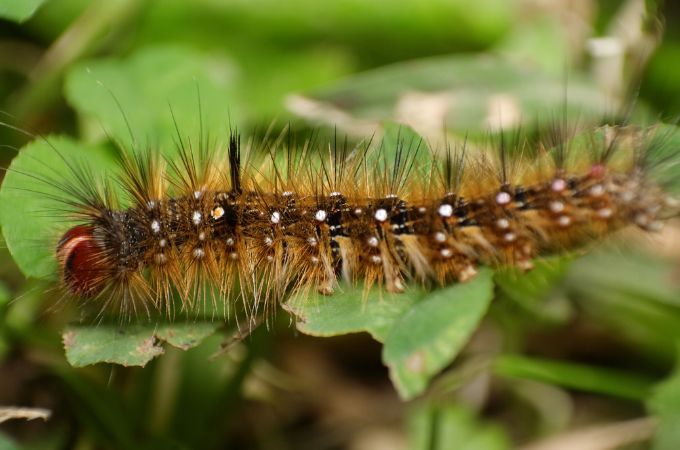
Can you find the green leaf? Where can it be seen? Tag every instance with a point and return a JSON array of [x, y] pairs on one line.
[[531, 290], [576, 376], [5, 295], [262, 27], [351, 311], [541, 42], [7, 444], [19, 10], [467, 93], [429, 336], [401, 138], [665, 404], [663, 155], [31, 215], [450, 426], [629, 272], [146, 89], [633, 295], [133, 345], [536, 284]]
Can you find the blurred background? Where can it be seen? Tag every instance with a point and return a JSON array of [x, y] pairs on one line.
[[575, 355]]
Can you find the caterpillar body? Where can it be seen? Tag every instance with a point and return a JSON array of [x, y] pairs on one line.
[[208, 227]]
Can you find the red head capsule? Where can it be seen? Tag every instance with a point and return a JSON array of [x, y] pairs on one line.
[[80, 259]]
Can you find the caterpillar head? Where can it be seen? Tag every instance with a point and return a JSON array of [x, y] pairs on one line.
[[83, 269]]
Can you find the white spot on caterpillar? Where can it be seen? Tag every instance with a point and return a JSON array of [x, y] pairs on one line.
[[641, 220], [422, 210], [155, 226], [653, 209], [276, 217], [217, 212], [150, 204], [270, 258], [445, 210], [525, 265], [201, 236], [439, 236], [314, 260], [312, 241], [268, 241], [380, 215], [196, 217], [510, 237], [229, 242], [604, 213], [564, 221], [596, 190], [503, 198], [372, 241], [198, 253], [358, 212], [446, 252], [556, 207], [320, 215], [671, 202], [558, 185], [160, 258], [287, 193], [627, 196], [468, 273], [335, 194], [503, 223], [375, 259], [197, 194], [655, 226], [162, 243], [233, 256]]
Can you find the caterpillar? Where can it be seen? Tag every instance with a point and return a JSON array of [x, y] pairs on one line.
[[250, 224]]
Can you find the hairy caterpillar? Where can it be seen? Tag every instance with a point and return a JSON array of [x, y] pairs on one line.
[[212, 226]]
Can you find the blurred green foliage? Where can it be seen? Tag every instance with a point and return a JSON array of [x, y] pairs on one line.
[[578, 342]]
